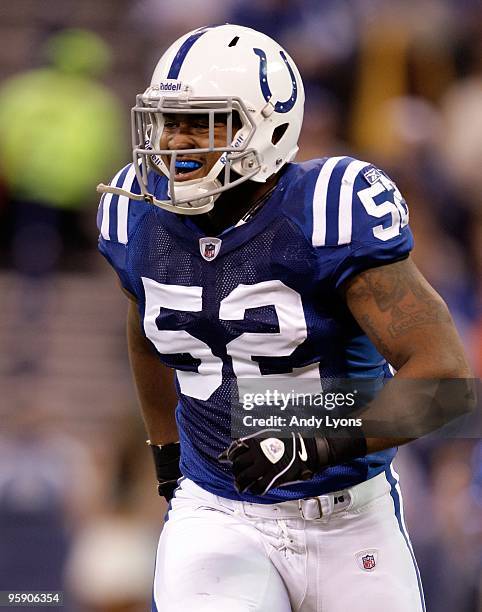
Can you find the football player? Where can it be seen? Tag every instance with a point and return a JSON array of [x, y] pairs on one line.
[[240, 265]]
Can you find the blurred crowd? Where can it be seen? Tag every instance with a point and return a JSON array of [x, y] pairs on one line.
[[396, 82]]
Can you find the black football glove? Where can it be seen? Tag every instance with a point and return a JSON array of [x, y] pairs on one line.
[[166, 461], [262, 461]]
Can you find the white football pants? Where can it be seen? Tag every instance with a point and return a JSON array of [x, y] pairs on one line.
[[348, 550]]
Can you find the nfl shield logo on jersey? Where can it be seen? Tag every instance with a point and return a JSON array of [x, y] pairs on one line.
[[371, 175], [367, 560], [209, 247]]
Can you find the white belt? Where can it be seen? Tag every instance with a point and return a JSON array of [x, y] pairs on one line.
[[312, 508]]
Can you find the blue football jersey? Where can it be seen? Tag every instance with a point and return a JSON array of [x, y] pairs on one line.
[[260, 300]]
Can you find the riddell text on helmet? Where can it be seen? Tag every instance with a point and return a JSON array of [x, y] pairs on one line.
[[170, 85]]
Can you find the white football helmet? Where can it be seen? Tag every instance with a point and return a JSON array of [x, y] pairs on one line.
[[219, 69]]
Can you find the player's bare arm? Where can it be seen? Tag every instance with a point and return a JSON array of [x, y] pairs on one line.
[[157, 398], [154, 382], [408, 321], [411, 326]]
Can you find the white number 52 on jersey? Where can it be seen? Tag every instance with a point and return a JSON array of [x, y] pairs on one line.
[[203, 383]]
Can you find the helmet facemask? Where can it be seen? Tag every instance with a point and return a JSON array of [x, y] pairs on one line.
[[198, 195]]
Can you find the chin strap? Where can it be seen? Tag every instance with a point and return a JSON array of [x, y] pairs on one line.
[[180, 210], [101, 188]]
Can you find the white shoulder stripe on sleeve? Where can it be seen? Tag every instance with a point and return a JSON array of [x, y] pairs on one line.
[[104, 228], [106, 202], [123, 207], [346, 200], [320, 201]]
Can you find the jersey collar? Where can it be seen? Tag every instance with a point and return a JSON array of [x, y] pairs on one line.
[[188, 233]]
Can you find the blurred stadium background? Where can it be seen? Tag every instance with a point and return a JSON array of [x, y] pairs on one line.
[[395, 82]]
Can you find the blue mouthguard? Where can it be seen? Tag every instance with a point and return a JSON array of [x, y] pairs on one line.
[[187, 164]]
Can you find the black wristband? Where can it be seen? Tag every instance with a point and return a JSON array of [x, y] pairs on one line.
[[340, 449], [346, 449], [166, 461]]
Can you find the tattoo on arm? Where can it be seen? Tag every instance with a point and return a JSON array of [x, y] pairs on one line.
[[407, 321], [402, 293]]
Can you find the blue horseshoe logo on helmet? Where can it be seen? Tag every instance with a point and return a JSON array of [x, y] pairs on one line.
[[286, 105]]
